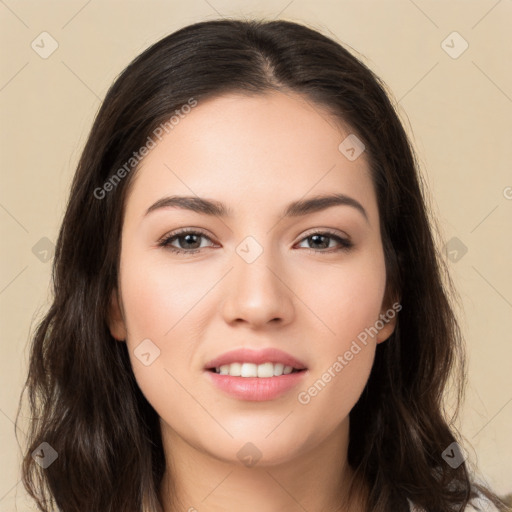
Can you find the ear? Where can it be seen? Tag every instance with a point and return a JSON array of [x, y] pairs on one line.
[[115, 318], [388, 316]]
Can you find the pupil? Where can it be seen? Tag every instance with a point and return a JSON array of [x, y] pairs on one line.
[[315, 237], [187, 238]]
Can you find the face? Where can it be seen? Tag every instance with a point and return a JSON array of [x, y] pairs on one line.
[[301, 288]]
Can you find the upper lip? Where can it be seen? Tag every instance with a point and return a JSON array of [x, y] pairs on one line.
[[246, 355]]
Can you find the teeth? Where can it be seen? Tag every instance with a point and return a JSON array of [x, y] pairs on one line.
[[278, 368], [254, 370], [265, 370]]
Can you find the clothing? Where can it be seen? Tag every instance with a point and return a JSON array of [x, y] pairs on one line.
[[483, 504]]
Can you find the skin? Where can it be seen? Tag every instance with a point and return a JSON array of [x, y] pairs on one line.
[[296, 296]]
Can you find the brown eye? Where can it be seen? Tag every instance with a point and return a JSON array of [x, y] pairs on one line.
[[323, 240], [188, 241]]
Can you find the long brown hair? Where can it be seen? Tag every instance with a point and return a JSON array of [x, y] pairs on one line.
[[84, 400]]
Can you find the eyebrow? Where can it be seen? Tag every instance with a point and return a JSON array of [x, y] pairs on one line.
[[294, 209]]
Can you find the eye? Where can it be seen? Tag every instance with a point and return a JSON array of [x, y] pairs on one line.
[[189, 241], [319, 238]]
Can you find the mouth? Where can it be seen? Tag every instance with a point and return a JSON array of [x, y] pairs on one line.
[[257, 376]]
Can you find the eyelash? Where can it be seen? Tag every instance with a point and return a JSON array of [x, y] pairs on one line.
[[345, 244]]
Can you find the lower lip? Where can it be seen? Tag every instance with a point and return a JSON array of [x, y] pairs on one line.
[[257, 389]]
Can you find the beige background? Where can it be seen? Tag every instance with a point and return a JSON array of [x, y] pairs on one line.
[[458, 111]]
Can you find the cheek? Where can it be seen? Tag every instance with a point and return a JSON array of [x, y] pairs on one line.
[[344, 346], [159, 300], [345, 299], [155, 308]]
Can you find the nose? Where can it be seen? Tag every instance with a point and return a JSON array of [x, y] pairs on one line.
[[257, 292]]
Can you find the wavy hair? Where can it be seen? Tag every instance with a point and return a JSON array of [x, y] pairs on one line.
[[83, 396]]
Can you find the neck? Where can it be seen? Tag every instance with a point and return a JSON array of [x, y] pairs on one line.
[[319, 479]]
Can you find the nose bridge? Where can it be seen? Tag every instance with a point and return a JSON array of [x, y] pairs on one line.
[[253, 260], [256, 292]]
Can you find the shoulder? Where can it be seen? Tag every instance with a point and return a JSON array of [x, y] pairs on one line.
[[476, 505], [481, 505]]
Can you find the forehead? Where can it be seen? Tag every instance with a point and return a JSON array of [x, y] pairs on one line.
[[241, 149]]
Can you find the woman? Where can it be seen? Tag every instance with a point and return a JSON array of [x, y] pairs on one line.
[[294, 356]]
